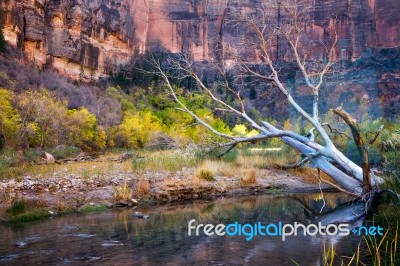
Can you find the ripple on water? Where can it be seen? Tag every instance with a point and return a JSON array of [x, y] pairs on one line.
[[84, 235], [8, 258], [88, 258], [111, 243], [69, 228], [22, 243]]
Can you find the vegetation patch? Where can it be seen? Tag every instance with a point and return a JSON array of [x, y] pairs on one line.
[[172, 161], [27, 210], [206, 175], [122, 193], [142, 188], [93, 208], [249, 177]]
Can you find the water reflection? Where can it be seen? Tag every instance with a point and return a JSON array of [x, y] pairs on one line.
[[116, 237]]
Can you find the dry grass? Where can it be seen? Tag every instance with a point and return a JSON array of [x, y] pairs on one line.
[[98, 169], [175, 182], [122, 193], [171, 160], [142, 187], [310, 175], [219, 168], [195, 181], [264, 159], [249, 177]]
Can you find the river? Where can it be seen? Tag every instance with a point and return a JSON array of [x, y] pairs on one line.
[[116, 237]]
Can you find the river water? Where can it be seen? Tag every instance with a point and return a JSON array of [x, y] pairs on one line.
[[116, 237]]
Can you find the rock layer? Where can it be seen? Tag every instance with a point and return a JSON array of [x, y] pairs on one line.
[[92, 37]]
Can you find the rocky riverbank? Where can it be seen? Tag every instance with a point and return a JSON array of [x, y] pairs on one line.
[[64, 191]]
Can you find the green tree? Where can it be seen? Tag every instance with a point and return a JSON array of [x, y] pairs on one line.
[[10, 120], [253, 93], [2, 40], [44, 118], [83, 131]]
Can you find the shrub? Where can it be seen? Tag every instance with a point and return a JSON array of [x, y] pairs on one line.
[[206, 175], [391, 150]]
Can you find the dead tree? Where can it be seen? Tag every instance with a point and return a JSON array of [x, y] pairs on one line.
[[348, 176]]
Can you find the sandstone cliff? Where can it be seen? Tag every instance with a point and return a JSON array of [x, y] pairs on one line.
[[98, 35]]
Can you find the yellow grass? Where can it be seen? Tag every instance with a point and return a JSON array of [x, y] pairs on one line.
[[219, 168], [122, 192], [249, 176], [81, 169]]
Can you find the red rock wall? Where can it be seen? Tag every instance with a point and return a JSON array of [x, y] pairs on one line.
[[100, 35]]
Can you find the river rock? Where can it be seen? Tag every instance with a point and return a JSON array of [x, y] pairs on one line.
[[141, 215], [21, 244], [49, 158]]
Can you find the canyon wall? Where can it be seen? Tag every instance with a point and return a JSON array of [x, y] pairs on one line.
[[98, 35], [92, 38]]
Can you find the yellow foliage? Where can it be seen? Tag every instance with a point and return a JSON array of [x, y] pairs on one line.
[[83, 130], [10, 121], [136, 129]]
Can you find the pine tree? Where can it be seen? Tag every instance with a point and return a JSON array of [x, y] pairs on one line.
[[252, 94], [2, 40]]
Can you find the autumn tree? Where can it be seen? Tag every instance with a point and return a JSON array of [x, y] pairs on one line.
[[10, 120]]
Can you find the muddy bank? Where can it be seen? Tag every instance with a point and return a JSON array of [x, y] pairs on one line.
[[69, 191]]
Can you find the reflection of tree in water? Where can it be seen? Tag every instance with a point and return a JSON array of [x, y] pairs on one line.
[[164, 239], [165, 234]]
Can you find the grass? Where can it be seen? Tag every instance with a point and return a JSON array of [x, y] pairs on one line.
[[249, 177], [172, 161], [27, 210], [219, 168], [31, 215], [266, 157], [383, 250], [206, 175], [93, 208]]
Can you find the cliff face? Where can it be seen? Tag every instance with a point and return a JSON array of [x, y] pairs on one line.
[[98, 35]]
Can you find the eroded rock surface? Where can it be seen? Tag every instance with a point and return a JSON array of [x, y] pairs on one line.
[[94, 37]]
